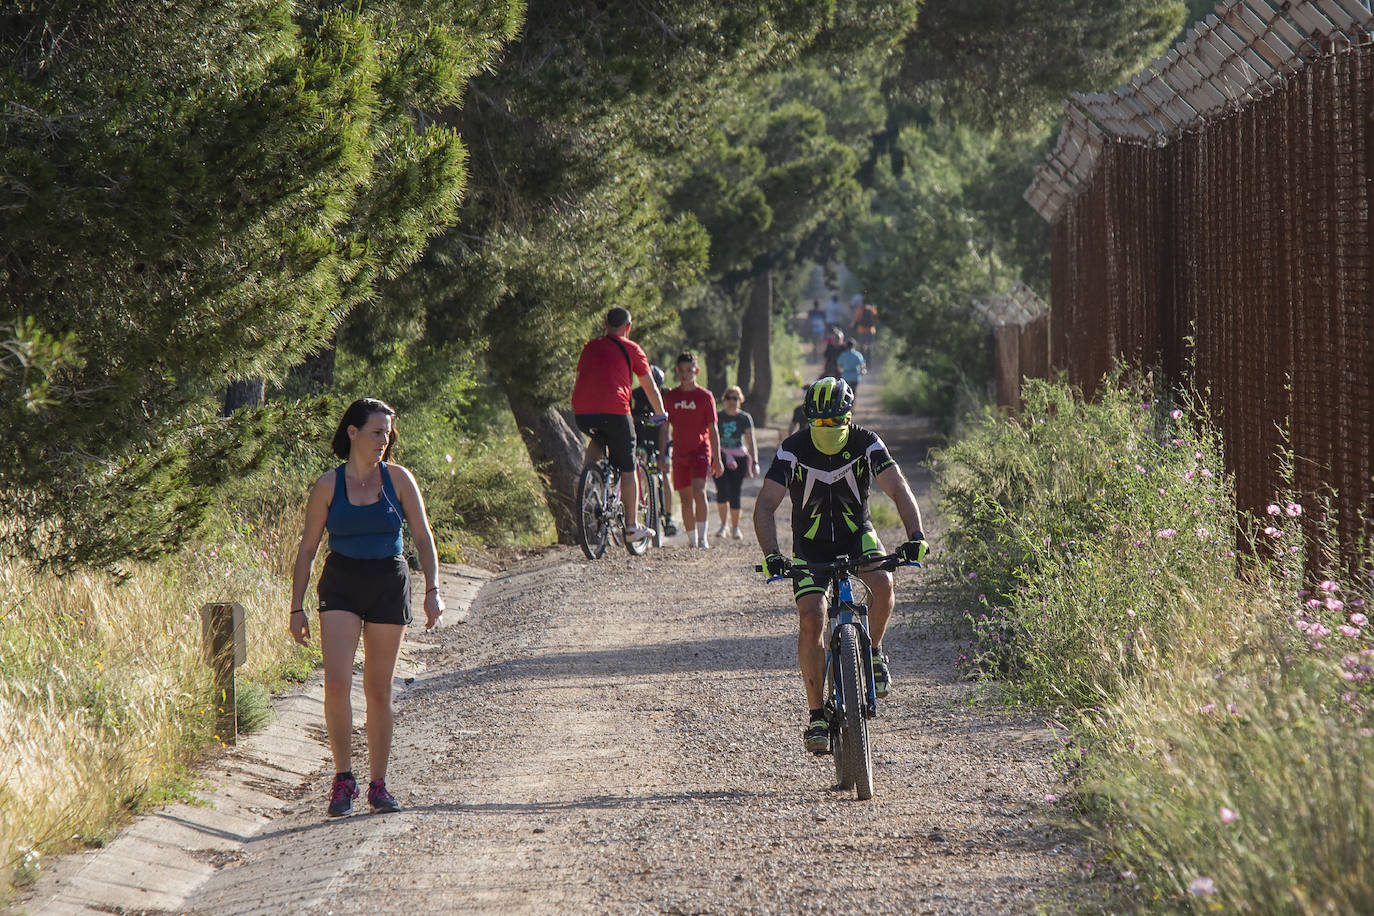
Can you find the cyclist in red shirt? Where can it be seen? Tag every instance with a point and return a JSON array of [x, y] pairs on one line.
[[696, 446], [606, 372]]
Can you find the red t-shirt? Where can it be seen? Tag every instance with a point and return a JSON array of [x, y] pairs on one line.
[[691, 414], [604, 380]]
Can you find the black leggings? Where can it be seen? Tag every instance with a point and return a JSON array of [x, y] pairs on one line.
[[729, 483]]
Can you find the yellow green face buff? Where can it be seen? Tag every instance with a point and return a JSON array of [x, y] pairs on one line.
[[830, 439]]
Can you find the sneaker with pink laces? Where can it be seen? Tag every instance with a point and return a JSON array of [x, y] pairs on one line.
[[342, 794], [380, 799]]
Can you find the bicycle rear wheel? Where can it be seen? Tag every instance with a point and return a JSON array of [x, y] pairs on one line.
[[593, 521], [858, 760]]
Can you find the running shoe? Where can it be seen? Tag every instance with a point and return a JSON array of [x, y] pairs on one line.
[[380, 799], [736, 534], [882, 675], [638, 533], [816, 736], [720, 532], [669, 529], [341, 796]]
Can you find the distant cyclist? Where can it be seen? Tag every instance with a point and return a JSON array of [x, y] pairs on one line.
[[865, 325], [606, 372], [827, 470], [653, 438]]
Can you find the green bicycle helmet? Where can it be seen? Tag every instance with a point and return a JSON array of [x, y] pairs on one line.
[[828, 398]]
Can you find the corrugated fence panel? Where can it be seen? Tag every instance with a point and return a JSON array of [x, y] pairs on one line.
[[1248, 233]]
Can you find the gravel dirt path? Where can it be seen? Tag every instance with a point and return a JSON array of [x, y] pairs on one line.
[[623, 736]]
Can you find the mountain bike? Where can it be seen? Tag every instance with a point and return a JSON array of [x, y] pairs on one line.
[[850, 697]]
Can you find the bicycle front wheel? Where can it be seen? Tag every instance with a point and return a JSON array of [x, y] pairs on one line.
[[638, 547], [593, 522], [654, 506], [858, 760]]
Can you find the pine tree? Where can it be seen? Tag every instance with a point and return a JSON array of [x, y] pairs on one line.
[[196, 193]]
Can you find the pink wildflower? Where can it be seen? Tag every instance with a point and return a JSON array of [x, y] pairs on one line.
[[1140, 468], [1273, 509], [1347, 630], [1272, 531], [1165, 533], [1313, 603], [1335, 604], [1294, 510], [1176, 414], [1206, 473], [1051, 798], [1202, 534], [1232, 709], [1227, 815], [1202, 887], [1208, 707], [1358, 619], [1329, 586]]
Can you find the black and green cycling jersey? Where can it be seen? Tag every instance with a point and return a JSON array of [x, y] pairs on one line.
[[829, 492]]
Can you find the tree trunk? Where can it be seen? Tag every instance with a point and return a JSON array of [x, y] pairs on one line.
[[744, 372], [316, 373], [556, 451], [756, 338], [245, 393]]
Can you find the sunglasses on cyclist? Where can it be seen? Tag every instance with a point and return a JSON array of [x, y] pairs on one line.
[[831, 421]]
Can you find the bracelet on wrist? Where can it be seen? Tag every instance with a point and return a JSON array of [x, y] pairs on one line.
[[299, 610], [432, 588]]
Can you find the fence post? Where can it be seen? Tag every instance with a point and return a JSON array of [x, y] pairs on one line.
[[224, 647]]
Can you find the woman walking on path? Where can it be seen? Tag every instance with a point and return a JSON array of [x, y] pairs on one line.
[[740, 456], [364, 588]]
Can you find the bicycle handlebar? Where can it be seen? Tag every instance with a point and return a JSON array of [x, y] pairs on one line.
[[843, 565]]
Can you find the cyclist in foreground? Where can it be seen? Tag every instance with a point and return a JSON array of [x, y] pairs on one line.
[[827, 468], [606, 373]]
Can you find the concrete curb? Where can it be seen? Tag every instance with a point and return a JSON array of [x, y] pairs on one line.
[[159, 861]]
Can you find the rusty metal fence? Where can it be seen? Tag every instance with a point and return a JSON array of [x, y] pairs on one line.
[[1234, 249]]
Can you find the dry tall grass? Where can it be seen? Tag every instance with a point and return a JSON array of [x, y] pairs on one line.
[[104, 699]]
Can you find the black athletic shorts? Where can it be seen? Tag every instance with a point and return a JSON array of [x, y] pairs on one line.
[[864, 544], [378, 591], [616, 434]]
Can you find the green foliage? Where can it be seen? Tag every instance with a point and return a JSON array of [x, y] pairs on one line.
[[1068, 520], [1217, 710], [1010, 64], [230, 178]]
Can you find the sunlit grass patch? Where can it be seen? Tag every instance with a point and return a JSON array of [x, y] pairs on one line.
[[105, 701]]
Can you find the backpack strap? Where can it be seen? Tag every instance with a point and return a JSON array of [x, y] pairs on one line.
[[625, 353]]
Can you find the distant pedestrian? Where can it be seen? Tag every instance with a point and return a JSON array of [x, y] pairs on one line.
[[816, 320], [834, 346], [851, 364], [364, 588], [836, 313], [740, 456]]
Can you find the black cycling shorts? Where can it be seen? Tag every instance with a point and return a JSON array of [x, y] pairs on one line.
[[616, 434], [378, 591], [864, 544]]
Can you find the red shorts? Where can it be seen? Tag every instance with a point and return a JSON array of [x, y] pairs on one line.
[[691, 466]]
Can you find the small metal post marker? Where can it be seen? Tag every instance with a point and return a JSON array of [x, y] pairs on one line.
[[225, 647]]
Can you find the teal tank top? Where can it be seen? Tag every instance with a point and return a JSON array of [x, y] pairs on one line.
[[370, 532]]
